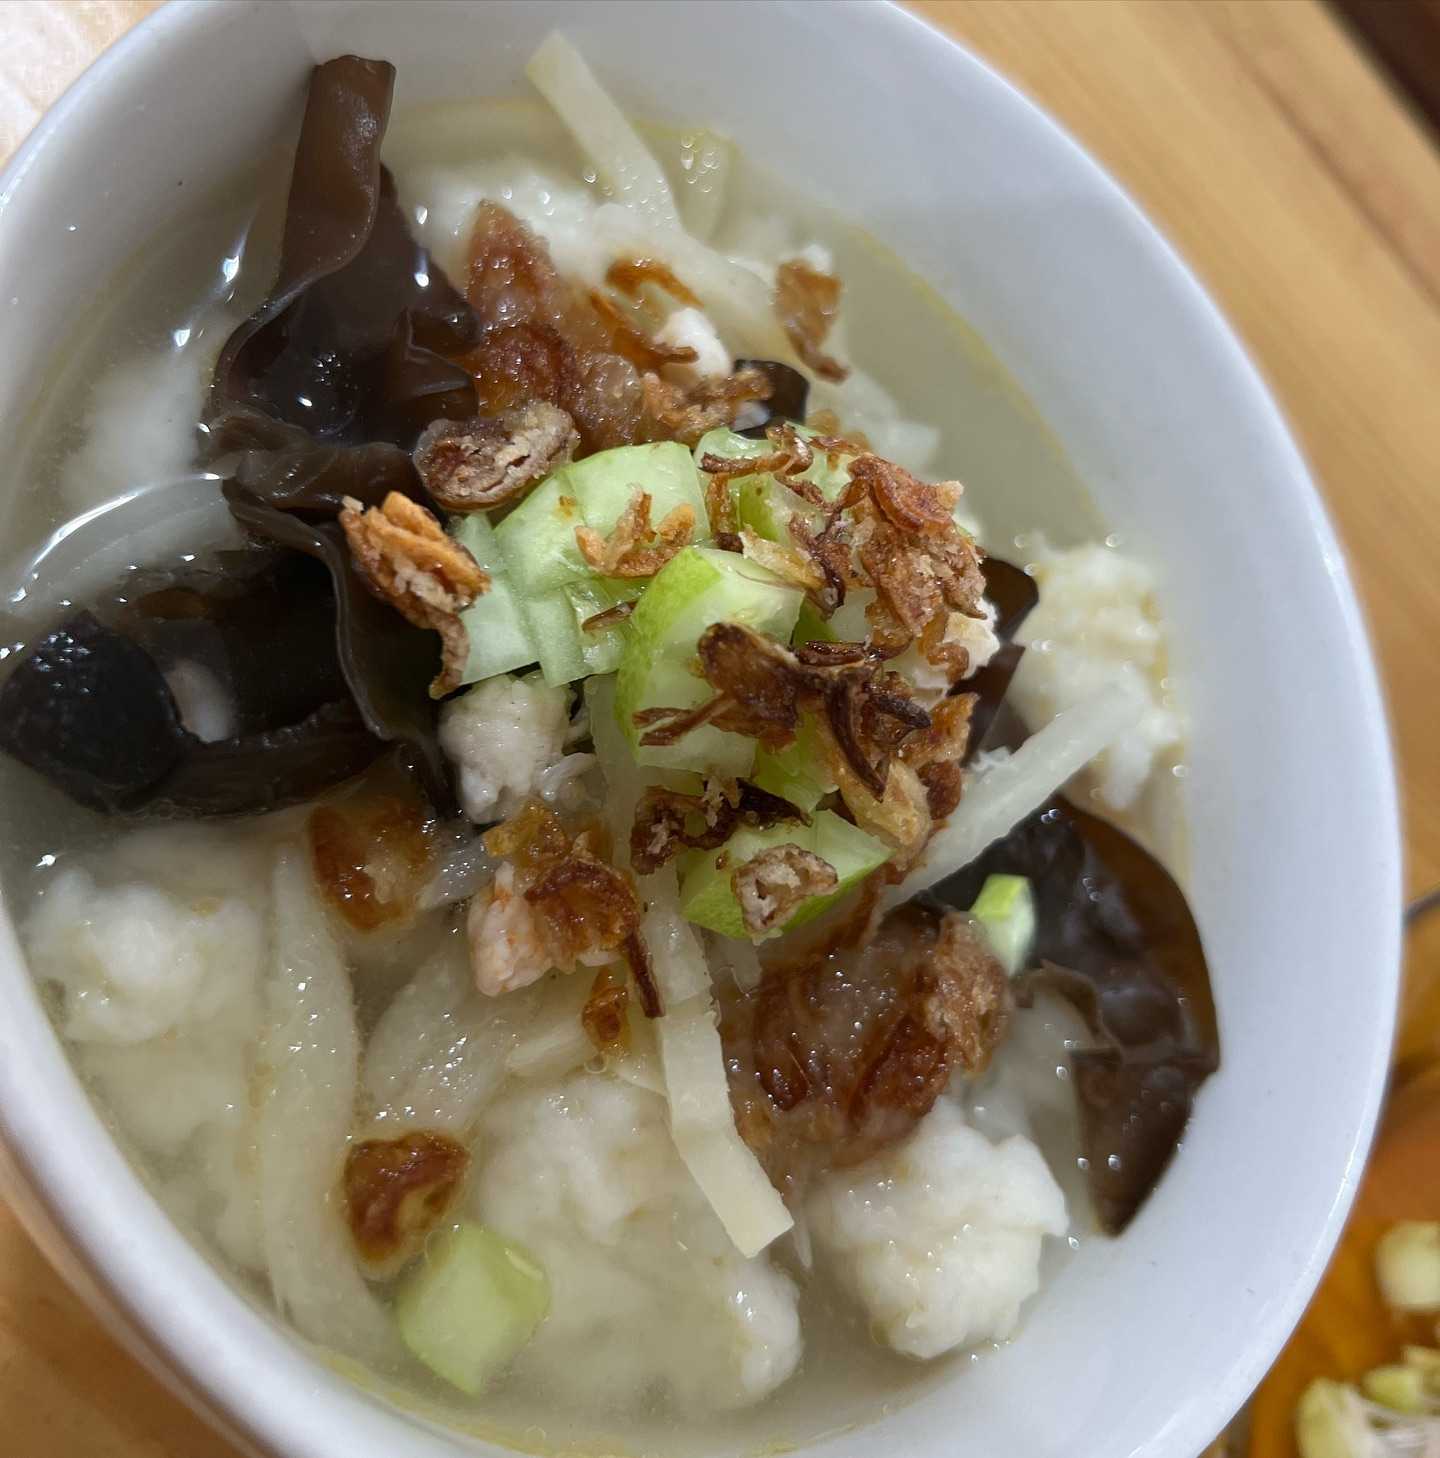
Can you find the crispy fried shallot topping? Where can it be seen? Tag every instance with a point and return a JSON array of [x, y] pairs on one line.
[[686, 413], [370, 855], [770, 886], [397, 1191], [785, 562], [668, 821], [472, 465], [407, 560], [578, 908], [634, 548], [937, 753], [629, 340], [807, 303], [762, 686], [842, 1053], [603, 1016], [611, 618], [630, 275]]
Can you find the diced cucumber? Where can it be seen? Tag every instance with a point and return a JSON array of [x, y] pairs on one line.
[[796, 773], [601, 648], [471, 1305], [604, 483], [764, 506], [550, 619], [1005, 908], [476, 533], [494, 624], [696, 588], [499, 636], [706, 895], [729, 444], [538, 539], [847, 624]]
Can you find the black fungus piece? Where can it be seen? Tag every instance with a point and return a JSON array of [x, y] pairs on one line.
[[351, 345], [91, 711], [286, 467], [1014, 593], [789, 396], [1117, 939], [387, 662]]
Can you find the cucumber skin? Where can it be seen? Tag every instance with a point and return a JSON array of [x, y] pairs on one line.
[[495, 624], [706, 897], [537, 539], [470, 1306], [696, 588]]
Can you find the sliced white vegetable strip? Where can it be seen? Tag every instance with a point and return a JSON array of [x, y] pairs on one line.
[[312, 1050], [555, 1041], [676, 955], [559, 73], [738, 301], [617, 763], [706, 161], [703, 1127], [998, 800]]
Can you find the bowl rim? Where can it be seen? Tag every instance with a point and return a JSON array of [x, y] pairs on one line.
[[214, 1377]]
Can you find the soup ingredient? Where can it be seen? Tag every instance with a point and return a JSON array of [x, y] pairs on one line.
[[594, 501], [370, 854], [762, 882], [350, 345], [408, 561], [496, 627], [1114, 936], [134, 962], [807, 302], [649, 1297], [311, 1050], [474, 465], [699, 587], [397, 1191], [386, 661], [437, 1055], [1013, 787], [506, 738], [703, 1128], [1096, 632], [553, 904], [939, 1237], [1407, 1265], [841, 1052], [1005, 908], [471, 1305], [560, 74]]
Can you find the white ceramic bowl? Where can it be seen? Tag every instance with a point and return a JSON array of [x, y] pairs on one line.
[[1144, 1347]]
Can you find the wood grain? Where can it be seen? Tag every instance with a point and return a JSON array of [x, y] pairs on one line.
[[1264, 143]]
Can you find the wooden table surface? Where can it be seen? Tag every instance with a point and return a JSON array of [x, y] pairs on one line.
[[1307, 199]]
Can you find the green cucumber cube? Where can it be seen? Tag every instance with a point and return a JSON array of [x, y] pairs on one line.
[[1005, 908], [551, 623], [470, 1306], [604, 483], [706, 895], [538, 541], [696, 588], [601, 648], [494, 624], [796, 773]]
